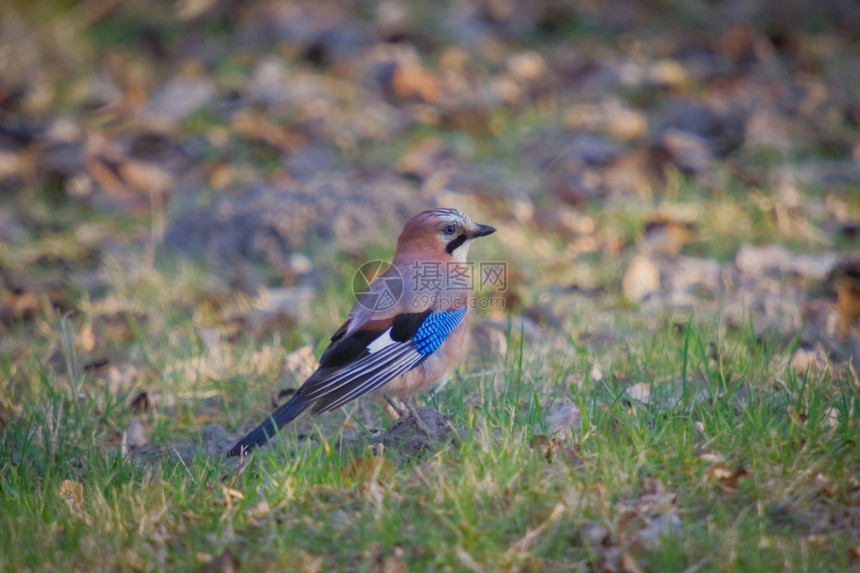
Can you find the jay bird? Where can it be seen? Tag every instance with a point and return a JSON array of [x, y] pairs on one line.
[[402, 334]]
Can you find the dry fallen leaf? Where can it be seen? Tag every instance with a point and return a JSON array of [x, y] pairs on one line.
[[562, 418], [301, 363], [845, 278], [424, 159], [648, 537], [727, 479], [224, 563], [826, 485], [72, 493], [713, 458], [366, 469], [641, 279], [817, 540], [522, 545], [830, 418], [259, 511], [394, 562], [15, 307], [556, 450], [6, 415], [140, 404], [307, 563], [665, 237], [854, 498], [230, 494], [652, 486], [411, 81], [595, 535], [191, 516], [628, 563]]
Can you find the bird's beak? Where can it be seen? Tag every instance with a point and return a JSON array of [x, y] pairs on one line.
[[481, 231]]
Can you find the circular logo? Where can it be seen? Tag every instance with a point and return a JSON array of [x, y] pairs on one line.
[[377, 285]]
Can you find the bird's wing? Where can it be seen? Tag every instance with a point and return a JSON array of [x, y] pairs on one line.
[[363, 360]]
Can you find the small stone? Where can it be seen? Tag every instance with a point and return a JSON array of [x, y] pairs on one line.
[[639, 393]]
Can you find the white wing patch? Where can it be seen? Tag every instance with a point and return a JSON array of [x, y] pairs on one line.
[[384, 340]]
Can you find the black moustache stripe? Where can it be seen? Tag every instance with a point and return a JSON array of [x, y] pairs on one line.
[[452, 246]]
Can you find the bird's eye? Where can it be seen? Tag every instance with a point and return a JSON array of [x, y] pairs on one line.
[[450, 229]]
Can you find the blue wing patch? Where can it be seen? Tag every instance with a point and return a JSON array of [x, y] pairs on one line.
[[388, 355], [436, 328]]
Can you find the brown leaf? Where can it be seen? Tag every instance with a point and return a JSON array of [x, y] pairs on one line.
[[567, 454], [758, 260], [653, 486], [541, 442], [657, 503], [727, 480], [365, 469], [412, 81], [628, 563], [233, 494], [522, 544], [6, 415], [556, 450], [110, 174], [665, 237], [16, 307], [595, 535], [527, 66], [140, 404], [72, 493], [648, 537], [394, 562], [259, 511], [424, 159], [278, 308], [562, 418], [116, 327], [191, 516], [845, 278], [301, 363], [712, 458], [146, 177], [816, 540], [720, 473], [224, 563], [830, 418], [307, 563], [826, 485], [641, 279], [626, 522], [230, 494], [180, 97], [854, 497]]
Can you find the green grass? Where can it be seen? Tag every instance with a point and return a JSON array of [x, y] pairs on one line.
[[736, 462], [755, 486]]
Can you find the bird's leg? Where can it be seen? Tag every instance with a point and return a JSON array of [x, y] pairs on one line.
[[397, 409], [418, 421]]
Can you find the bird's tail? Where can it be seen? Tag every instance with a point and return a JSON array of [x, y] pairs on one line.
[[285, 414]]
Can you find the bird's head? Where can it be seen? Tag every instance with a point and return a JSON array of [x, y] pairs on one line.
[[441, 233]]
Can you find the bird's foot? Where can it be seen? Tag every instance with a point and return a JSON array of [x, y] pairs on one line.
[[418, 421]]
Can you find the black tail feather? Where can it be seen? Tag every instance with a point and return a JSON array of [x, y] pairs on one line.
[[285, 414]]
